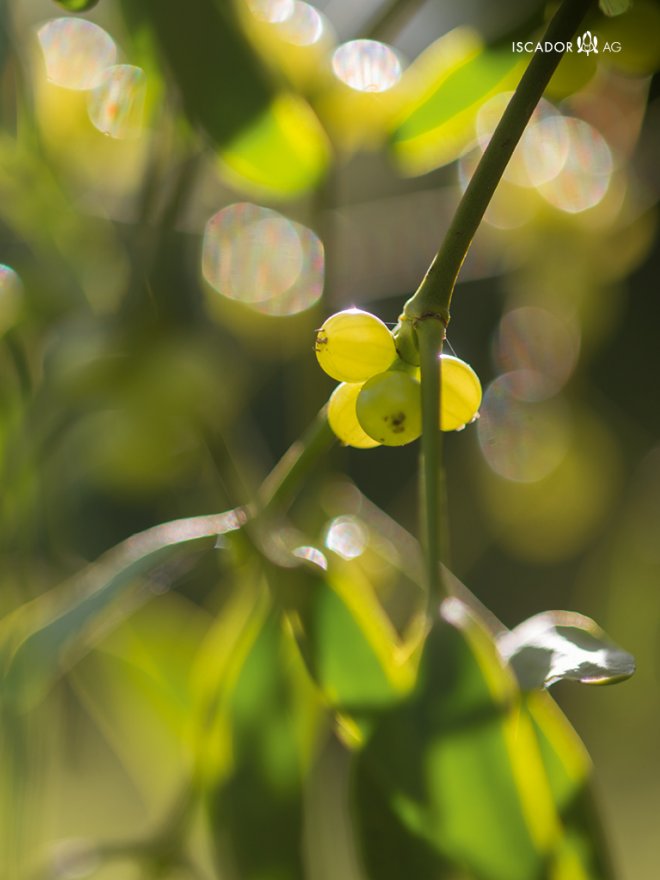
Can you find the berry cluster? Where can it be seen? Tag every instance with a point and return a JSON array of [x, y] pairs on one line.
[[379, 398]]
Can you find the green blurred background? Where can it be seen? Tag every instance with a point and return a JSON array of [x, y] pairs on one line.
[[127, 371]]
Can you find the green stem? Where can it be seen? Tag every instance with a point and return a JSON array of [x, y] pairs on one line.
[[433, 297], [426, 314], [121, 568], [296, 464], [431, 335]]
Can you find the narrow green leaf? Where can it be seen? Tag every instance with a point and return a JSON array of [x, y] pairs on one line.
[[453, 778], [562, 645], [267, 139], [54, 631], [137, 688], [349, 647], [459, 76], [223, 85], [256, 804], [282, 151], [583, 850]]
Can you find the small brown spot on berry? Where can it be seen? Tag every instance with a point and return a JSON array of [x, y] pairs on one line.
[[399, 422]]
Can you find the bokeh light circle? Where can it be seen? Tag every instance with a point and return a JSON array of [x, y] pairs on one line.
[[520, 440], [510, 206], [260, 258], [76, 52], [538, 349], [273, 11], [543, 147], [366, 65], [347, 537], [116, 104], [311, 554], [303, 27], [585, 177]]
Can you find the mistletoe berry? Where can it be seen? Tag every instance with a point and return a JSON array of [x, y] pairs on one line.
[[389, 408], [343, 419], [353, 346], [460, 395]]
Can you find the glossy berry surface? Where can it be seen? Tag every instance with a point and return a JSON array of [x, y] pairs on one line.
[[389, 408], [342, 417], [460, 395], [353, 345]]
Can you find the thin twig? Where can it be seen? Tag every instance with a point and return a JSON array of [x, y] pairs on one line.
[[433, 297]]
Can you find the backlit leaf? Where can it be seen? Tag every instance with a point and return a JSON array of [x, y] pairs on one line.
[[348, 645], [582, 851], [136, 686], [256, 804], [453, 778], [57, 629], [452, 79], [267, 139]]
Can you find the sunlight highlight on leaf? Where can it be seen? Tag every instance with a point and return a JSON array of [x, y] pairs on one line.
[[258, 257], [281, 153], [366, 65], [116, 105], [449, 83], [557, 645], [453, 776], [76, 52]]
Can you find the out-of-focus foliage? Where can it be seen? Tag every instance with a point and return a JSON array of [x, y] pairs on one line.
[[187, 190], [457, 74]]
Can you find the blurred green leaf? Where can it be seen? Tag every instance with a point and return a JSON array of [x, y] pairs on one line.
[[267, 139], [223, 85], [458, 75], [582, 852], [562, 645], [58, 628], [137, 688], [349, 647], [453, 779], [256, 803], [282, 152]]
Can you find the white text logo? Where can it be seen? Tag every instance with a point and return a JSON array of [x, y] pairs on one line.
[[587, 43]]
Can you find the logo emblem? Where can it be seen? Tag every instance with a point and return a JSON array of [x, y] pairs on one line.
[[588, 43]]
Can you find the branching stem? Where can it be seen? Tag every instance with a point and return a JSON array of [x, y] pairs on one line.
[[426, 314], [433, 297]]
